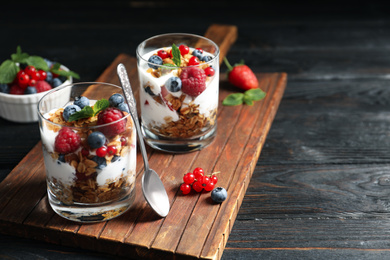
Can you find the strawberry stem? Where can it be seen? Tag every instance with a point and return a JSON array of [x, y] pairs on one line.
[[227, 64]]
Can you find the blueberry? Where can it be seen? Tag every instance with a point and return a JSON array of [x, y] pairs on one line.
[[173, 84], [30, 90], [96, 139], [218, 195], [206, 58], [56, 82], [115, 158], [198, 53], [149, 91], [49, 77], [116, 99], [81, 101], [61, 158], [4, 88], [123, 107], [155, 61], [70, 110], [101, 161]]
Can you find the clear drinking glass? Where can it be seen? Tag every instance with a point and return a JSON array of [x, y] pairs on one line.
[[91, 176], [179, 86]]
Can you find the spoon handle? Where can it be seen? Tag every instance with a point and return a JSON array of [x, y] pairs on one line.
[[124, 79]]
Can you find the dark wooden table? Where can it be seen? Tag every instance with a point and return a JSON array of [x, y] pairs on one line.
[[321, 188]]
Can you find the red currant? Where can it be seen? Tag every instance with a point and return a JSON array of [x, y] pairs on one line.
[[111, 150], [185, 188], [209, 71], [197, 186], [189, 178], [214, 178], [198, 172], [209, 186], [35, 75], [23, 80], [163, 54], [193, 61], [85, 152], [101, 151], [30, 70], [204, 180], [123, 141], [184, 49], [32, 82], [43, 74]]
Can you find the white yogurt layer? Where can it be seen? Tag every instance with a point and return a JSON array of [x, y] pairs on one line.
[[154, 113]]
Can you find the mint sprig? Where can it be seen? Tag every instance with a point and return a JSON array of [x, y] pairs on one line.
[[89, 111], [176, 55], [9, 67], [248, 97]]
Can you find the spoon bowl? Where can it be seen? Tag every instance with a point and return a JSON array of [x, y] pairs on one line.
[[152, 187]]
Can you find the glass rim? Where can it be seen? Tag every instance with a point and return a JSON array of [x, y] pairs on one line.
[[178, 34], [78, 127]]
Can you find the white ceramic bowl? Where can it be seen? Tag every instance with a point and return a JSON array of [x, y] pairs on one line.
[[23, 108]]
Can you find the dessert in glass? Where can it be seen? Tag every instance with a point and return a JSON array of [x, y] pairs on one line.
[[179, 86], [89, 148]]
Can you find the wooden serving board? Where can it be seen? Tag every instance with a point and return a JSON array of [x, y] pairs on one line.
[[195, 226]]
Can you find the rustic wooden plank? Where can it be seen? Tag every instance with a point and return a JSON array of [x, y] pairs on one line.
[[224, 36], [239, 182]]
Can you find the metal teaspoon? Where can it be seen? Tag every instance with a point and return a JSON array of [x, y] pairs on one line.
[[152, 186]]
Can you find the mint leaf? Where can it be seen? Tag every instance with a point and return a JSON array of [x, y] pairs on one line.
[[176, 55], [248, 100], [233, 99], [86, 112], [254, 94], [100, 105], [8, 71], [19, 56], [37, 62], [57, 70], [169, 66]]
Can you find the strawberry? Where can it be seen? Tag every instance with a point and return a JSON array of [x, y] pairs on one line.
[[240, 75]]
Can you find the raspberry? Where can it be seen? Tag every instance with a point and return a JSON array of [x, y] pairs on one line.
[[42, 86], [110, 115], [16, 90], [66, 141], [193, 81]]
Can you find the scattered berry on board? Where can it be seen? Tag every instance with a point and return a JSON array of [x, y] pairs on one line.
[[198, 181], [219, 195]]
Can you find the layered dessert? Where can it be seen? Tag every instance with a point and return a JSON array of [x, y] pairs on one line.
[[179, 91], [89, 150]]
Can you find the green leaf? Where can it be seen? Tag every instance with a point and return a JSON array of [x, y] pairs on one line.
[[8, 71], [100, 105], [19, 56], [255, 94], [86, 112], [169, 66], [37, 62], [56, 68], [248, 100], [176, 55], [233, 99]]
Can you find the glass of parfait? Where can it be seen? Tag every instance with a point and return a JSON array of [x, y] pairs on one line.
[[179, 86], [89, 149]]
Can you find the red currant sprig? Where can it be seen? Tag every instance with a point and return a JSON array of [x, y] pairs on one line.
[[198, 181]]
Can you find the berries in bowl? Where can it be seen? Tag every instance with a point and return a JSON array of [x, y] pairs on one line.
[[24, 79]]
